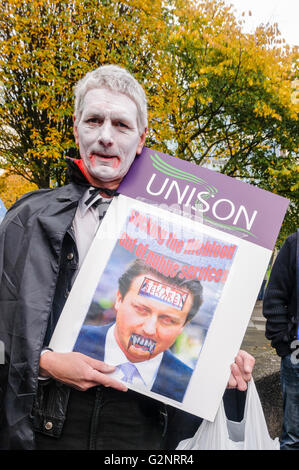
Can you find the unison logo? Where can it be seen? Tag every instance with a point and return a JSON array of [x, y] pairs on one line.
[[204, 202]]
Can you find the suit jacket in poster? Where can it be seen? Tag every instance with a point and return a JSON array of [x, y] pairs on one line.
[[173, 375]]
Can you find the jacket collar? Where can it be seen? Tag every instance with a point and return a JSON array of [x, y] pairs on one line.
[[76, 172]]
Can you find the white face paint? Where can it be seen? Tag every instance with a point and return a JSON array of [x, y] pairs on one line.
[[107, 135]]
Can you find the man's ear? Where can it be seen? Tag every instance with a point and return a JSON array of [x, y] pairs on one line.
[[75, 129], [118, 300], [141, 142]]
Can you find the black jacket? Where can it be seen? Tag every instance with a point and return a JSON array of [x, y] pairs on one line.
[[36, 272], [34, 239], [280, 306]]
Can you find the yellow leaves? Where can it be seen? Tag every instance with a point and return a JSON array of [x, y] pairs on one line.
[[12, 187], [205, 100], [190, 102], [285, 172], [48, 146], [295, 92], [264, 110]]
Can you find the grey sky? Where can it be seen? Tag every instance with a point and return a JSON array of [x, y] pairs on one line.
[[283, 12]]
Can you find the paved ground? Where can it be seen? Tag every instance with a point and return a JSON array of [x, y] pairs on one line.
[[266, 370]]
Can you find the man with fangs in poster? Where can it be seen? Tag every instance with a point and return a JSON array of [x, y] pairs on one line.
[[151, 311]]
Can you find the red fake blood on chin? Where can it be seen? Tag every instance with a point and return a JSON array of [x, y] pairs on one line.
[[92, 160], [115, 163]]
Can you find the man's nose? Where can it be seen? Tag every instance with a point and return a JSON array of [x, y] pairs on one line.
[[106, 134], [150, 326]]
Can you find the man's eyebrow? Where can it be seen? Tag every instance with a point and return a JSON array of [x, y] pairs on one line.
[[121, 116], [115, 115], [141, 305], [175, 314]]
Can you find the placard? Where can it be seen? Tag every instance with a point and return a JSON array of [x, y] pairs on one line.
[[167, 288]]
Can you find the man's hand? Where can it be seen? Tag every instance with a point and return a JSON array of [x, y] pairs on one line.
[[78, 370], [241, 371]]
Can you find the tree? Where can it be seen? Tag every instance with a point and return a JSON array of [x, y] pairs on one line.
[[45, 47], [284, 180], [228, 95], [229, 100]]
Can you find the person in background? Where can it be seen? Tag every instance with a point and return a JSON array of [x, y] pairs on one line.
[[280, 308], [262, 289]]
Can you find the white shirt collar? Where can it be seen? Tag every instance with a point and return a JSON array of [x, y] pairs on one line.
[[86, 223], [83, 208], [114, 356]]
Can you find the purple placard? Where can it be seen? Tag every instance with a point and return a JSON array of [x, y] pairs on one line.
[[210, 197]]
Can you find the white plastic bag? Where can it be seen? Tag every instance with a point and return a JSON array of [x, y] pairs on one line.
[[221, 434]]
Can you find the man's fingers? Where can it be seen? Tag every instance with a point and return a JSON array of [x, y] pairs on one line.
[[241, 371], [240, 363], [246, 363], [99, 374], [232, 383], [249, 362], [99, 365], [102, 379], [237, 374]]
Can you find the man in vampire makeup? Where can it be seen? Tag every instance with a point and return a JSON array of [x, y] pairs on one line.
[[51, 400]]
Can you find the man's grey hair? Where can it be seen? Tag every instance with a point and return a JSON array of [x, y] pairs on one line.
[[114, 78]]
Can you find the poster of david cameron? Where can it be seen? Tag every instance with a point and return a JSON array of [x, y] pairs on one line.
[[167, 288], [154, 303]]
